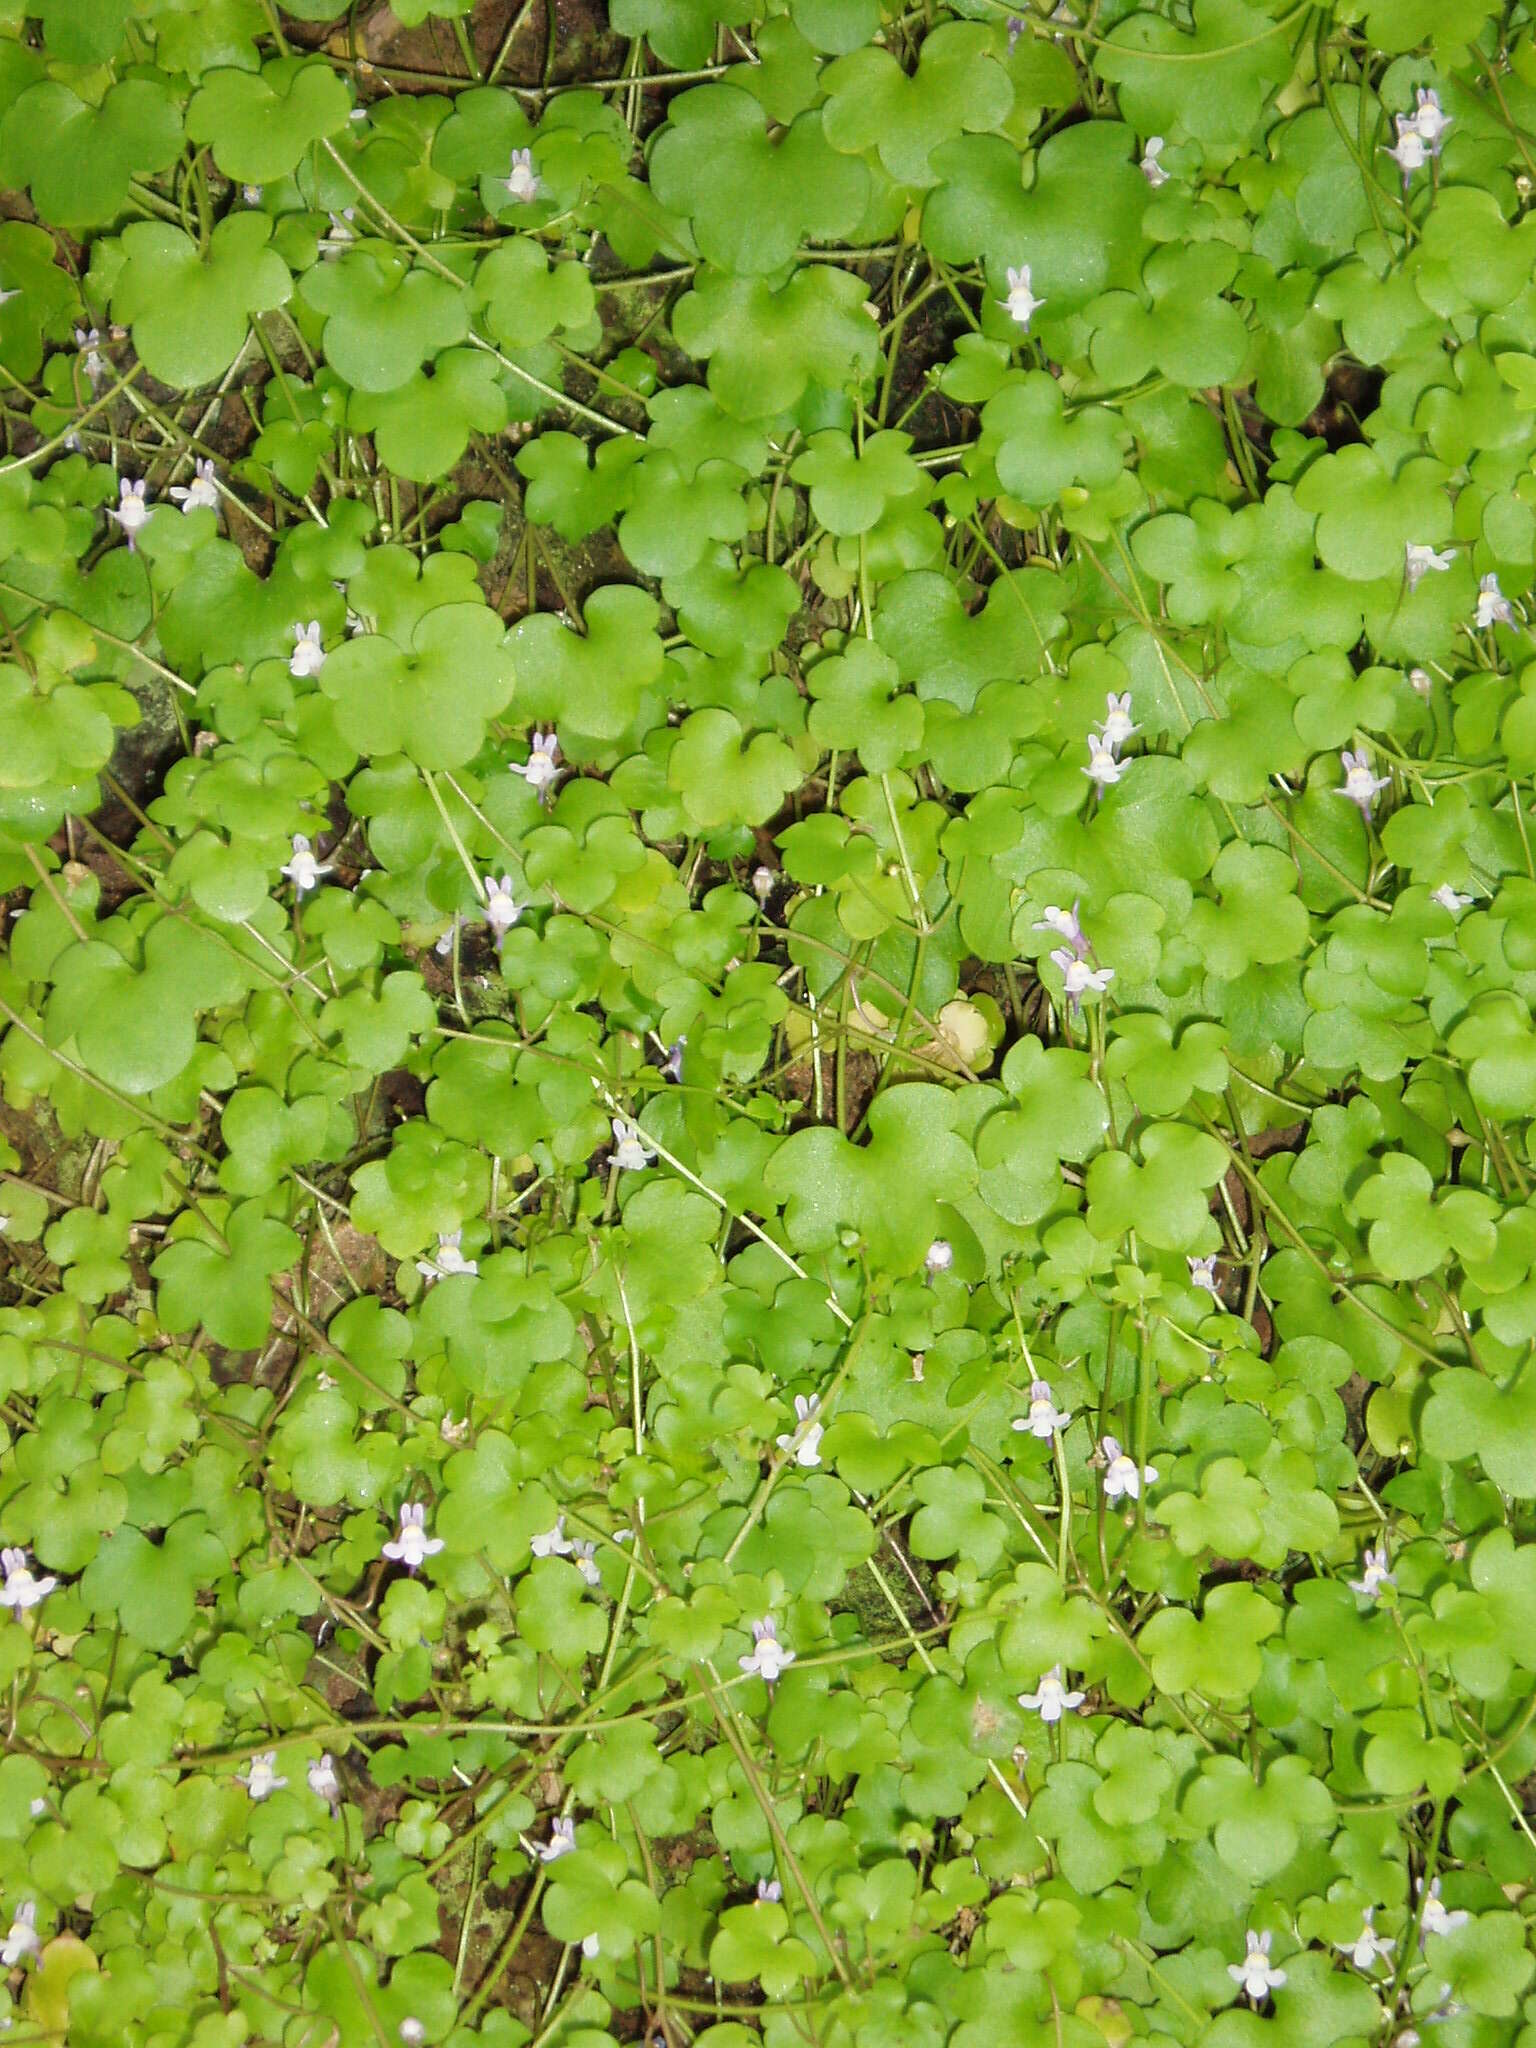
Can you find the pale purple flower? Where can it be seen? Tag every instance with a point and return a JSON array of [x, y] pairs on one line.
[[1021, 303], [769, 1657], [88, 341], [413, 1545], [260, 1777], [938, 1258], [202, 494], [562, 1840], [1044, 1417], [769, 1891], [522, 182], [342, 234], [1449, 899], [553, 1543], [630, 1152], [1079, 977], [302, 868], [1373, 1574], [1202, 1273], [1419, 559], [584, 1557], [1360, 785], [22, 1940], [1493, 607], [132, 509], [1064, 923], [1117, 728], [542, 765], [1104, 765], [22, 1588], [323, 1782], [308, 656], [502, 909], [1368, 1946], [805, 1439], [450, 1259], [1051, 1700], [1430, 119], [1255, 1972], [1409, 152], [1122, 1475], [1435, 1918], [672, 1055], [1149, 167]]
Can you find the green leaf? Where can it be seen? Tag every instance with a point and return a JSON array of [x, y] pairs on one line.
[[573, 489], [1164, 1198], [259, 125], [225, 1286], [1216, 1653], [751, 1948], [724, 777], [526, 299], [191, 313], [681, 32], [950, 653], [1078, 226], [1189, 333], [150, 1589], [430, 694], [1412, 1234], [860, 707], [957, 87], [137, 1029], [1468, 1416], [851, 490], [764, 346], [953, 1520], [674, 520], [826, 1183], [1495, 1040], [46, 300], [1037, 452], [83, 31], [1367, 516], [751, 201], [1257, 1827], [1060, 1115], [598, 681], [383, 317], [424, 427], [1210, 81], [77, 160]]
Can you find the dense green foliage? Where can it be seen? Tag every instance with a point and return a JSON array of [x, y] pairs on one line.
[[767, 1061]]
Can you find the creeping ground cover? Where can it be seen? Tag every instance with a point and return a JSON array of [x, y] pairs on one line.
[[766, 1062]]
